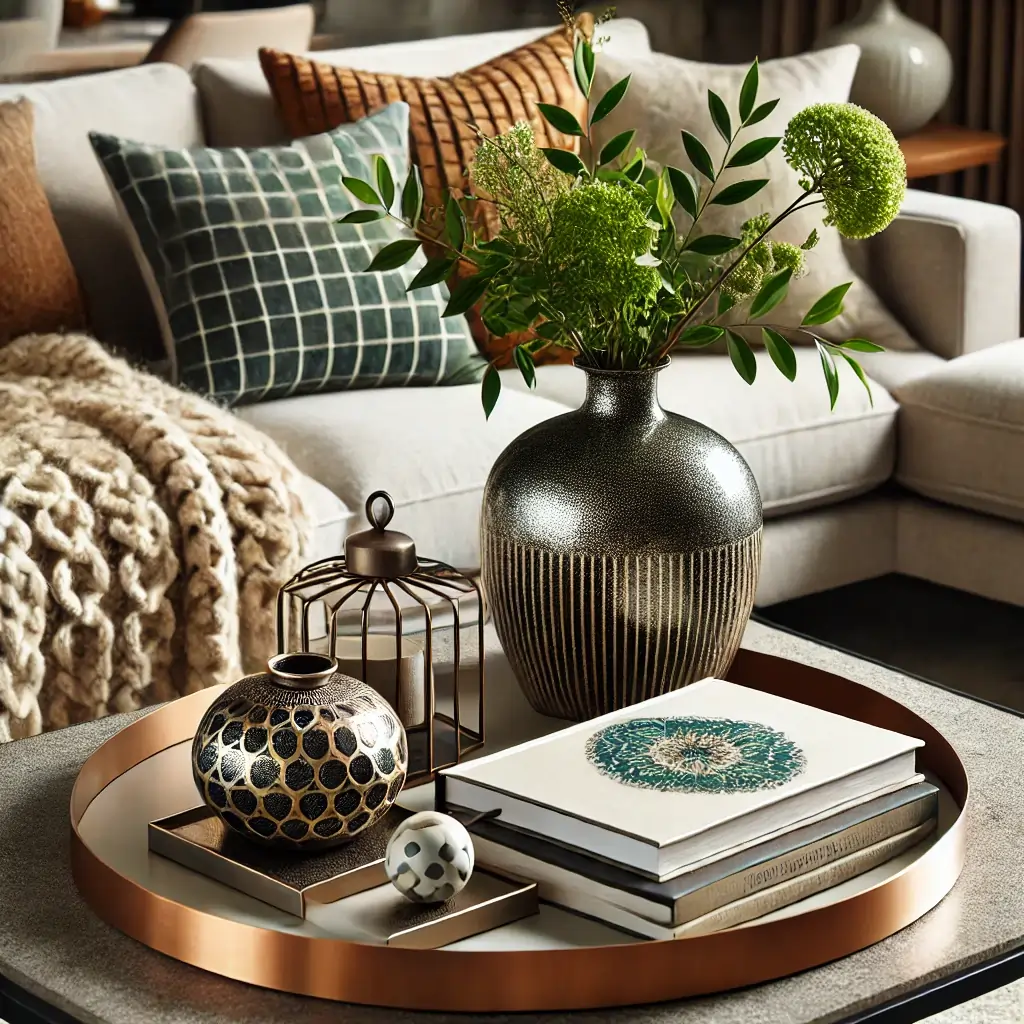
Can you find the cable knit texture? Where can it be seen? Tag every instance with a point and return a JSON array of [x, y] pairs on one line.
[[144, 533]]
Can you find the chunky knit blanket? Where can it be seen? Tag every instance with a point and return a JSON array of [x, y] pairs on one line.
[[143, 536]]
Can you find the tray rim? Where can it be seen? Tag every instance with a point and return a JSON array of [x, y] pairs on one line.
[[529, 980]]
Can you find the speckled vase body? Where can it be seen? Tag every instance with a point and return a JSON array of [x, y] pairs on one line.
[[297, 759], [620, 549], [905, 70]]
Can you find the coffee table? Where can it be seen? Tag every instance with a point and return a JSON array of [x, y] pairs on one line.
[[58, 962]]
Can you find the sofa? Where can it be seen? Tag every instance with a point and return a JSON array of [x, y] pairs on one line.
[[928, 479]]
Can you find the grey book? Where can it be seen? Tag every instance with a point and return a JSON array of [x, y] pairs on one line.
[[288, 880], [698, 892]]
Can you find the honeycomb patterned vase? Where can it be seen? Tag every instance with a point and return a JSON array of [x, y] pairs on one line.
[[300, 756]]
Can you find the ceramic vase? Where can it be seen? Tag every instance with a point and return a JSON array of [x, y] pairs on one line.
[[905, 70], [620, 549], [300, 756]]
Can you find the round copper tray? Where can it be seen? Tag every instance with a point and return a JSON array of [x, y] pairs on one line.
[[528, 979]]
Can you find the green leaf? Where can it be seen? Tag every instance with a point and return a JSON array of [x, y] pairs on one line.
[[615, 147], [781, 352], [748, 92], [583, 66], [828, 307], [363, 191], [610, 100], [742, 357], [713, 245], [828, 366], [771, 293], [666, 283], [385, 183], [362, 216], [455, 223], [756, 149], [699, 156], [490, 389], [861, 345], [433, 272], [684, 188], [634, 170], [550, 331], [859, 370], [701, 335], [665, 198], [412, 197], [811, 241], [395, 254], [725, 302], [739, 192], [466, 294], [761, 113], [720, 115], [526, 365], [566, 162], [560, 119]]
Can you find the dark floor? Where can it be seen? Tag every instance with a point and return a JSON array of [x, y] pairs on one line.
[[966, 642]]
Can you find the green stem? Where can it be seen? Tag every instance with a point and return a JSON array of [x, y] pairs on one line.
[[716, 285]]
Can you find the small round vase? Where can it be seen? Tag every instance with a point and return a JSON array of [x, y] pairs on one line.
[[300, 756], [620, 549], [905, 70]]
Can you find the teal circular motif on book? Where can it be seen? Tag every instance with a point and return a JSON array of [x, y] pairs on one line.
[[695, 755]]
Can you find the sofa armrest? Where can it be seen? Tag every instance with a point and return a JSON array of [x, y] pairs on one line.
[[949, 269]]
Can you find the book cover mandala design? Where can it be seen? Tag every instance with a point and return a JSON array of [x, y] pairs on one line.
[[695, 755]]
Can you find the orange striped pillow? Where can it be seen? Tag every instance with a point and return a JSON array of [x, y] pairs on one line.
[[314, 97]]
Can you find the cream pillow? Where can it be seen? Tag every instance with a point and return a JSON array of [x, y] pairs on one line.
[[667, 94]]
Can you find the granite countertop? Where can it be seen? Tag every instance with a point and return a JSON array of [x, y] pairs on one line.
[[53, 946]]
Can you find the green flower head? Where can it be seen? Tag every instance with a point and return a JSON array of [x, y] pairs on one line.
[[597, 232], [788, 256], [853, 159], [748, 277]]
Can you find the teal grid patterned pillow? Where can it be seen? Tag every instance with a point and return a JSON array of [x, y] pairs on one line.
[[261, 293]]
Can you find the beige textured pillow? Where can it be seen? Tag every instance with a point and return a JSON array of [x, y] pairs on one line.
[[667, 94]]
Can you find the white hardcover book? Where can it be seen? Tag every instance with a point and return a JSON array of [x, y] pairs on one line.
[[664, 784]]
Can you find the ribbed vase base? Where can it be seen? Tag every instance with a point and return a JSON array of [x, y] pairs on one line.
[[589, 634]]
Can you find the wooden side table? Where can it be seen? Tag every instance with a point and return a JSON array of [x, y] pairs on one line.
[[942, 148]]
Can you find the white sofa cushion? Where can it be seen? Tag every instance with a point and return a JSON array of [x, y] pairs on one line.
[[238, 109], [430, 448], [962, 432], [802, 454], [667, 94], [330, 517], [154, 103]]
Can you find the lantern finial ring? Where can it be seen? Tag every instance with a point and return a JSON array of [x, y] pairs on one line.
[[379, 519]]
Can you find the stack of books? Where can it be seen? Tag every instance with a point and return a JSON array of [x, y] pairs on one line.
[[698, 810]]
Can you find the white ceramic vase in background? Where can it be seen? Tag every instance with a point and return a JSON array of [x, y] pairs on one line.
[[905, 70]]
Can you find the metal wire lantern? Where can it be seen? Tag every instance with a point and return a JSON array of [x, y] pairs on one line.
[[378, 606]]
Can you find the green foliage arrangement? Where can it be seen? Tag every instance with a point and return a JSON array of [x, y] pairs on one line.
[[605, 255]]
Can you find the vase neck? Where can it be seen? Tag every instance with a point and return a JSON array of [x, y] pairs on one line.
[[624, 395], [879, 10]]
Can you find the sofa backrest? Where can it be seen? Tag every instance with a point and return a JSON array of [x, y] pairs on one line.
[[238, 109], [159, 103], [154, 103]]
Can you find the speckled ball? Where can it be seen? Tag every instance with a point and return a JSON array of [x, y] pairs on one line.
[[430, 857]]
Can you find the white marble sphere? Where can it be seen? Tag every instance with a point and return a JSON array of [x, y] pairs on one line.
[[429, 857]]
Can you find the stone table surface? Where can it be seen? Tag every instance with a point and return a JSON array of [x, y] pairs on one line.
[[53, 946]]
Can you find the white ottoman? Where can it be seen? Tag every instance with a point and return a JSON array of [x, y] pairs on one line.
[[961, 432]]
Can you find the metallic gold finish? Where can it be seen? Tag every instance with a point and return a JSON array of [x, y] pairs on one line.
[[530, 980], [393, 597], [301, 757], [200, 840], [620, 548]]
